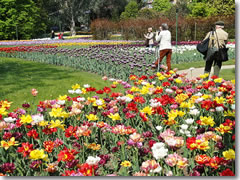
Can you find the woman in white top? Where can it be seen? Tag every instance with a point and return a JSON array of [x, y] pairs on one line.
[[165, 46], [149, 36]]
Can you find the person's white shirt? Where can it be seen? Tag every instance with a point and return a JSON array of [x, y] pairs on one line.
[[164, 39]]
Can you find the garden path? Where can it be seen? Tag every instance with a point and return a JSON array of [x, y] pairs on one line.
[[196, 72]]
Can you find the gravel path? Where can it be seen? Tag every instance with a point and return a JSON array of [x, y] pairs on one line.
[[196, 72]]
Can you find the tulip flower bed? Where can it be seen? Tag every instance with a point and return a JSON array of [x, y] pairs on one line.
[[24, 48], [67, 42], [161, 125], [118, 61]]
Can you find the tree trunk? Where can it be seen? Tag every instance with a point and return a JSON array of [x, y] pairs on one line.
[[73, 27]]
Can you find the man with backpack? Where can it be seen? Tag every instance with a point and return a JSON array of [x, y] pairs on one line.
[[218, 39]]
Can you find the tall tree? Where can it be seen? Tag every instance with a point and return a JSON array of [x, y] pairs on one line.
[[51, 7], [141, 3], [72, 10], [42, 19], [110, 9], [19, 19], [183, 9]]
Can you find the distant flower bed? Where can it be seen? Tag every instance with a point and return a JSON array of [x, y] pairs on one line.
[[78, 36], [24, 48], [186, 42], [160, 125], [66, 42]]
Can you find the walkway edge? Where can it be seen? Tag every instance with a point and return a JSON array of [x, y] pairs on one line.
[[196, 72]]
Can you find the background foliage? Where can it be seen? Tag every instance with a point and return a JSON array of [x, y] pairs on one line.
[[27, 19]]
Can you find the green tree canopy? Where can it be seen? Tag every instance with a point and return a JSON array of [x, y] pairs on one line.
[[201, 9], [161, 5], [20, 19], [208, 8], [222, 7], [131, 10], [147, 13]]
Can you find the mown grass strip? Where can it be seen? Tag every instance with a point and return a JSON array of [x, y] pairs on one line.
[[18, 77]]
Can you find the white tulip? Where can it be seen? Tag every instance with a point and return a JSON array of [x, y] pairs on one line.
[[99, 102], [78, 91], [37, 118], [184, 126], [81, 99], [194, 112], [61, 102], [198, 94], [219, 94], [181, 131], [189, 121], [86, 85], [199, 100], [219, 109], [9, 119], [93, 160], [71, 91], [157, 170], [159, 128]]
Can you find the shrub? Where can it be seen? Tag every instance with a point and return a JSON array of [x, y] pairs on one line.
[[135, 28], [102, 28]]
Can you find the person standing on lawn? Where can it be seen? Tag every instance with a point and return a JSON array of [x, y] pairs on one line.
[[218, 36], [165, 46], [149, 38], [52, 34], [60, 36], [157, 33]]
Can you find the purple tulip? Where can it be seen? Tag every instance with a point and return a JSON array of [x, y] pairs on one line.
[[147, 134], [8, 167], [115, 149], [72, 164], [199, 168], [35, 164], [200, 130], [130, 142], [77, 145], [195, 173], [220, 145], [139, 144], [17, 135]]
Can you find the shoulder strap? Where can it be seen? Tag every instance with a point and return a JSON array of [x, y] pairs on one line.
[[212, 38], [217, 40]]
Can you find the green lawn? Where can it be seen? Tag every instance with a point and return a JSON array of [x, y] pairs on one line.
[[18, 77], [228, 74]]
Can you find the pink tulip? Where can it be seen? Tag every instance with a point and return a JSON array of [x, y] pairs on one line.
[[34, 92]]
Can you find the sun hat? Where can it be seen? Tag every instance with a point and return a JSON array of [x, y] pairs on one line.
[[220, 23]]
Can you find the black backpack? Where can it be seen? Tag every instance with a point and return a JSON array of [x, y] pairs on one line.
[[202, 47]]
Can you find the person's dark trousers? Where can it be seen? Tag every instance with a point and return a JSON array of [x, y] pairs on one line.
[[217, 66], [163, 53]]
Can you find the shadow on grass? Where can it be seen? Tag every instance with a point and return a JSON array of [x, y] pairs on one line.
[[17, 75]]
